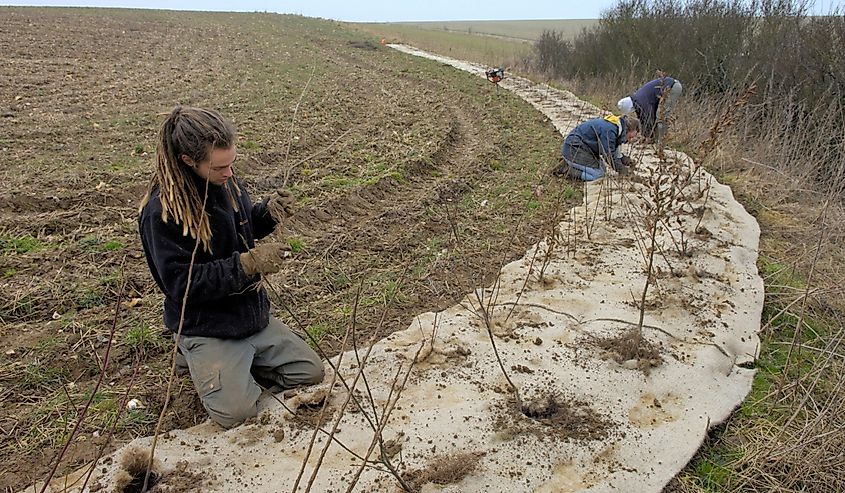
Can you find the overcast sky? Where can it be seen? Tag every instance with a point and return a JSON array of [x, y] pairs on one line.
[[370, 10]]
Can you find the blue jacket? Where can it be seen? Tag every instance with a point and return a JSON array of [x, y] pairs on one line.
[[223, 301], [646, 100], [602, 136]]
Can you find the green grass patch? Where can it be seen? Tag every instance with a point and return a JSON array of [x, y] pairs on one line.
[[392, 292], [570, 192], [383, 291], [296, 245], [339, 280], [110, 280], [124, 163], [14, 245], [249, 145], [112, 245], [22, 306], [89, 298], [94, 244], [143, 338], [317, 332], [40, 376], [712, 475], [341, 182], [779, 276]]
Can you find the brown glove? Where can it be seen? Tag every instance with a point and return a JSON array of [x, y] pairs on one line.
[[264, 259], [281, 204]]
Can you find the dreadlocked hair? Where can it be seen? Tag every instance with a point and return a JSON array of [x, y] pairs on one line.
[[193, 132]]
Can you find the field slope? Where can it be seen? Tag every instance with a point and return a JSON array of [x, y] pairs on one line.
[[377, 146]]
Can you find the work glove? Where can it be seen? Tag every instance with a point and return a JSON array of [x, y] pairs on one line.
[[627, 162], [622, 166], [264, 259], [281, 204]]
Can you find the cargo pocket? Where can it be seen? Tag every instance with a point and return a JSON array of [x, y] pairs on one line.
[[208, 384]]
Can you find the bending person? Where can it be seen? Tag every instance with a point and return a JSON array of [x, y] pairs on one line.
[[653, 103], [228, 337]]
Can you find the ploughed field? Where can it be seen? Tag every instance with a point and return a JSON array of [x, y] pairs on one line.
[[415, 183]]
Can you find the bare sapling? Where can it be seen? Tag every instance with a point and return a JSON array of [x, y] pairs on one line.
[[483, 306], [666, 199], [350, 327], [397, 387], [656, 203], [330, 435], [590, 221], [703, 208], [123, 406], [536, 251], [288, 169], [103, 370], [553, 236], [484, 311], [680, 204], [572, 234], [584, 191], [375, 422], [173, 352], [552, 242]]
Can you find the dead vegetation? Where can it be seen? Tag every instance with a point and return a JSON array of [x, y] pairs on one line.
[[367, 148], [443, 470], [749, 116]]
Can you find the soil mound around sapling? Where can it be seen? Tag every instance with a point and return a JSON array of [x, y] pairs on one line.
[[443, 470]]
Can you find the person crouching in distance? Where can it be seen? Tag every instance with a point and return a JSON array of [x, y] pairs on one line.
[[594, 144]]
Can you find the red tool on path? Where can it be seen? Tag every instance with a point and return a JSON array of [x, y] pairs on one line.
[[495, 75]]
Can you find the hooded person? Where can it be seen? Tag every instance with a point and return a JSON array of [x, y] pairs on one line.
[[653, 103], [592, 145]]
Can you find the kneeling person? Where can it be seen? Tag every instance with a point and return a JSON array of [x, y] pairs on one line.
[[592, 144], [228, 336]]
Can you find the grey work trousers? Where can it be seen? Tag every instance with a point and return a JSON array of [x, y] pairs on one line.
[[222, 369], [664, 109]]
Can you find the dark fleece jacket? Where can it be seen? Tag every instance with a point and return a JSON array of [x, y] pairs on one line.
[[223, 301], [647, 99]]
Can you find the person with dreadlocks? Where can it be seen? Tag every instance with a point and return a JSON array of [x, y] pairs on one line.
[[198, 228], [594, 144]]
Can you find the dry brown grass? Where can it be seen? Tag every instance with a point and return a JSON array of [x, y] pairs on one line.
[[789, 434]]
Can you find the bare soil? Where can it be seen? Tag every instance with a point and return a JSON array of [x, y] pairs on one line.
[[380, 149], [552, 416]]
